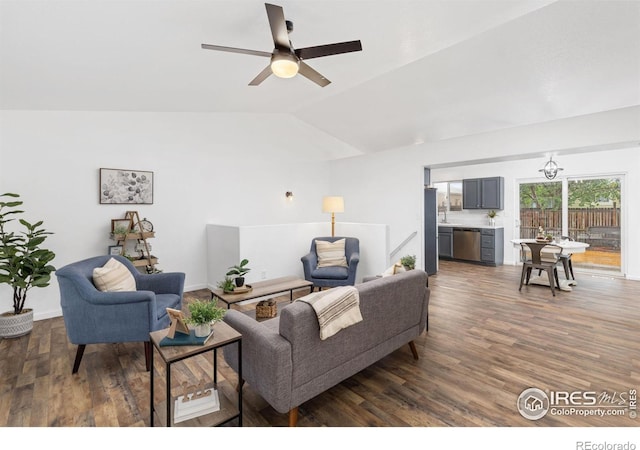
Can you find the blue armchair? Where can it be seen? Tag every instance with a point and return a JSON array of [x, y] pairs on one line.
[[335, 275], [95, 317]]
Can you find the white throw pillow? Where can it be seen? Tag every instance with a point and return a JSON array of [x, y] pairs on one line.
[[113, 276], [331, 253]]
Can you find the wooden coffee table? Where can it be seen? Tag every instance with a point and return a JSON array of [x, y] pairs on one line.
[[263, 289]]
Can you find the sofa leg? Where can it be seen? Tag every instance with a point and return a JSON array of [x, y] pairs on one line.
[[79, 353], [293, 417], [147, 354], [414, 350]]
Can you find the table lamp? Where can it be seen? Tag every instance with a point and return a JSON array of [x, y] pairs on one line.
[[333, 205]]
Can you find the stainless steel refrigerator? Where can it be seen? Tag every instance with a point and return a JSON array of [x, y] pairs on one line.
[[430, 230]]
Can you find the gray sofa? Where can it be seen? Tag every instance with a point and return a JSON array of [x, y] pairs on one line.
[[284, 360]]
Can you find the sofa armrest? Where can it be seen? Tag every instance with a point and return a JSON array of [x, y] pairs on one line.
[[309, 263], [354, 258], [266, 359]]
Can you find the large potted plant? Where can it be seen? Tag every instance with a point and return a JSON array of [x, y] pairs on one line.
[[23, 264]]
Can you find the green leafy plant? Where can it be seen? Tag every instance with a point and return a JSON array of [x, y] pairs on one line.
[[203, 312], [239, 270], [408, 261], [23, 264], [492, 214], [119, 230], [227, 284]]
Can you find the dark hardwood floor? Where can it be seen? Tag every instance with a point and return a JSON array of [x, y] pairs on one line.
[[486, 343]]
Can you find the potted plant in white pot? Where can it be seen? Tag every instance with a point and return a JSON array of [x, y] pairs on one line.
[[408, 262], [239, 271], [203, 315], [23, 265]]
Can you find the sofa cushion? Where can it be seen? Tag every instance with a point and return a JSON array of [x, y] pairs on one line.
[[331, 253], [113, 276]]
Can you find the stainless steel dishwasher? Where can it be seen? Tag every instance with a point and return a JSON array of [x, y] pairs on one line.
[[466, 244]]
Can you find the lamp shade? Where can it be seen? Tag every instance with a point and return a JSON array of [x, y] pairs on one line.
[[332, 204]]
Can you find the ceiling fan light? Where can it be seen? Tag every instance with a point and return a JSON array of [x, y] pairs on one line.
[[284, 66]]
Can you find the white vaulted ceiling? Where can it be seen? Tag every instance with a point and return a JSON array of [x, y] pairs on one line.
[[429, 70]]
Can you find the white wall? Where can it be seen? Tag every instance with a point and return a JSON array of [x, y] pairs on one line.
[[387, 187], [208, 168]]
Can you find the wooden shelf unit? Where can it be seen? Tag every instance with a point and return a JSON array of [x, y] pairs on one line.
[[149, 260]]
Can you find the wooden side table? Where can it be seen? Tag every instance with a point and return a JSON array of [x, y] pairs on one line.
[[223, 335]]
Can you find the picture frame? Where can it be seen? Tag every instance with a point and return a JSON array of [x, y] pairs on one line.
[[116, 250], [125, 187], [121, 223], [178, 323]]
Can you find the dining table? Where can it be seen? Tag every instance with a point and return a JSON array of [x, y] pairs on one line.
[[568, 247]]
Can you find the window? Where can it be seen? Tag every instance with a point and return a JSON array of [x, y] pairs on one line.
[[449, 196], [584, 209]]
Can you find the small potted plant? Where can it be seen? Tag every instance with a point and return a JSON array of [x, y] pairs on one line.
[[492, 214], [24, 264], [227, 285], [203, 315], [239, 271], [408, 262]]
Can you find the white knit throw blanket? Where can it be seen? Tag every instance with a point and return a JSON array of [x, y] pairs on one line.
[[336, 308]]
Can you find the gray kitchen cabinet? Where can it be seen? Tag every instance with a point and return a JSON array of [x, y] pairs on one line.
[[492, 246], [483, 193], [445, 242]]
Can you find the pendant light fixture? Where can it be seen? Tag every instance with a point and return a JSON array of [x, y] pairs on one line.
[[550, 169]]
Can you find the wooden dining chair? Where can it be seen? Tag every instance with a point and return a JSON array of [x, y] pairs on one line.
[[536, 260]]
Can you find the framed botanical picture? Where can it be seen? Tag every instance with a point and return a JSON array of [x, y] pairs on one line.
[[120, 226], [115, 250], [125, 187]]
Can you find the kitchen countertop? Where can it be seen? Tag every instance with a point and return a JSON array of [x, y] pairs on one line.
[[461, 225]]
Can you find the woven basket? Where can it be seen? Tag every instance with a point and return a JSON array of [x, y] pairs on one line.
[[266, 309]]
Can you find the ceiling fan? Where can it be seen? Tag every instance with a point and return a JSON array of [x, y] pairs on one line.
[[287, 61]]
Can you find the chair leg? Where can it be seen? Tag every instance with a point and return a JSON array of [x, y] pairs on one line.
[[414, 350], [565, 265], [555, 273], [552, 283], [147, 354], [529, 269], [79, 353], [522, 275], [293, 417], [571, 270]]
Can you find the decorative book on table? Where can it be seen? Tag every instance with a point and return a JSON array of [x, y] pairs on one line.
[[185, 339]]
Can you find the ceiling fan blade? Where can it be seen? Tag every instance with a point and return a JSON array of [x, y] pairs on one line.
[[328, 49], [278, 26], [236, 50], [261, 76], [308, 72]]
